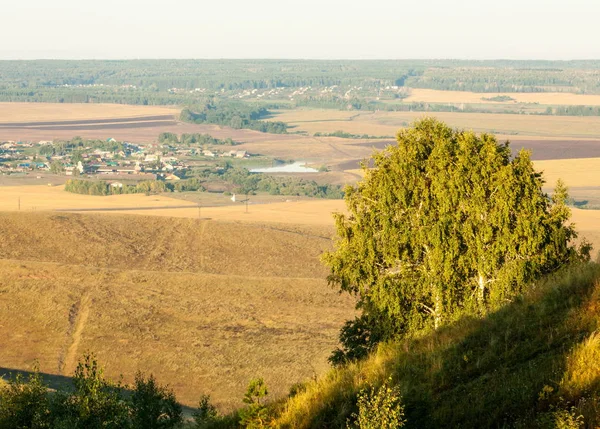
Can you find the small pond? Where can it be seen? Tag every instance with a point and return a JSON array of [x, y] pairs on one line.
[[296, 167]]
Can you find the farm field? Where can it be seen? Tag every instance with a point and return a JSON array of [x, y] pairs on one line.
[[295, 211], [42, 198], [204, 305], [271, 211], [59, 112], [576, 173], [504, 125], [313, 212], [543, 98]]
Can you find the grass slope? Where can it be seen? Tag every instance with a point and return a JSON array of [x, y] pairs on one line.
[[525, 365], [203, 305]]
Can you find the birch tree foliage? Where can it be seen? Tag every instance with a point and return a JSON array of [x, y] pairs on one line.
[[446, 223]]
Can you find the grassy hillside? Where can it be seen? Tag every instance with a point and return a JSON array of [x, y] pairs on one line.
[[535, 363], [203, 305]]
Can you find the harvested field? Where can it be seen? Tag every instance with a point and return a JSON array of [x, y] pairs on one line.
[[543, 98], [203, 305], [314, 115], [85, 121], [540, 150], [574, 172], [314, 212], [53, 112], [557, 149], [42, 198], [104, 124], [388, 123], [587, 223]]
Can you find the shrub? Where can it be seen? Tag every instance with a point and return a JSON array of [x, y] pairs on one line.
[[24, 403], [379, 408], [153, 406], [256, 414], [206, 414], [95, 403]]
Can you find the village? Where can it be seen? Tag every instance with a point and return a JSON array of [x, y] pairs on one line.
[[108, 159]]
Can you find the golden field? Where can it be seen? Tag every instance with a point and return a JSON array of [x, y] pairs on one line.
[[313, 213], [544, 98], [46, 198], [388, 123], [203, 305], [40, 198], [35, 112], [574, 172]]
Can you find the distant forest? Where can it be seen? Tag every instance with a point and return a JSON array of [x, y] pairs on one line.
[[184, 81]]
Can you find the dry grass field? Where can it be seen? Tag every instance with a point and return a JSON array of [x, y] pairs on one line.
[[45, 198], [39, 198], [36, 112], [313, 212], [204, 305], [543, 98], [574, 172], [388, 123]]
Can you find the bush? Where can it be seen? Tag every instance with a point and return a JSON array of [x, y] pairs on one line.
[[153, 406], [256, 414], [206, 415], [24, 403], [379, 408], [95, 403]]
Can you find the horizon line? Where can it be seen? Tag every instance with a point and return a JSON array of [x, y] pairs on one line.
[[297, 59]]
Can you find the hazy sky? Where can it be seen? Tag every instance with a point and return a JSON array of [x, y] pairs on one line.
[[470, 29]]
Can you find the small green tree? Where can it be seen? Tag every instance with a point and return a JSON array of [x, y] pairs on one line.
[[153, 406], [256, 414], [206, 414], [379, 408], [95, 402], [447, 223], [56, 167], [24, 403]]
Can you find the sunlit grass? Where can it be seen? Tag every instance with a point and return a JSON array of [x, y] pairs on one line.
[[480, 372]]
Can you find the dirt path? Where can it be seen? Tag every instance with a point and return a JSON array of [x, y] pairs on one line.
[[200, 244], [78, 321]]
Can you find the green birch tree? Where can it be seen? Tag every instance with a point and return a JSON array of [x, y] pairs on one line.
[[445, 224]]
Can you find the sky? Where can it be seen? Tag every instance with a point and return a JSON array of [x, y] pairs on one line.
[[311, 29]]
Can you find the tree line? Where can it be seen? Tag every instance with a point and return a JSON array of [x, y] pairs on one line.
[[250, 183], [234, 115], [100, 187], [92, 401]]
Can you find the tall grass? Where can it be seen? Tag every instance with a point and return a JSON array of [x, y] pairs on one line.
[[538, 355]]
